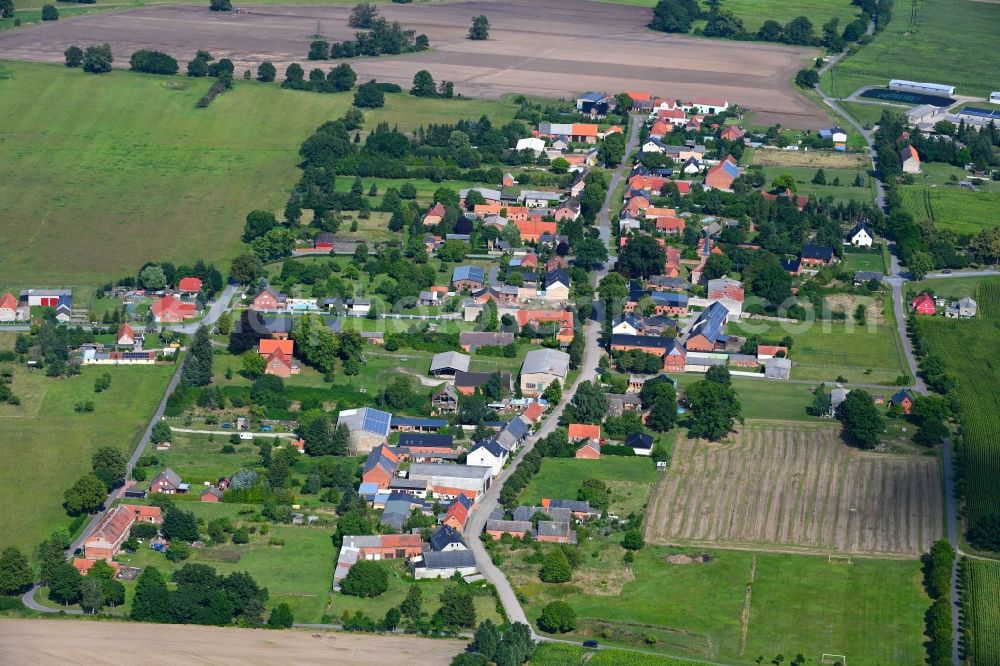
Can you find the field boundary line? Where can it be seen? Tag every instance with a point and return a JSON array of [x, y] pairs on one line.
[[745, 615]]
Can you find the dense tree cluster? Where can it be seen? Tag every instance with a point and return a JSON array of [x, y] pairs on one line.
[[715, 407], [201, 596], [378, 37], [152, 62], [863, 423], [198, 364]]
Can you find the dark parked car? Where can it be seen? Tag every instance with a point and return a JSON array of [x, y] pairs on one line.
[[590, 644]]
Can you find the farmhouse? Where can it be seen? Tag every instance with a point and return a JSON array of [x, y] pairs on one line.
[[903, 400], [552, 531], [722, 175], [860, 235], [516, 528], [168, 482], [817, 255], [380, 466], [537, 318], [488, 453], [964, 308], [458, 512], [532, 230], [278, 356], [10, 310], [725, 288], [46, 298], [540, 368], [368, 426], [268, 298], [111, 533], [374, 547], [452, 480], [445, 538], [466, 383]]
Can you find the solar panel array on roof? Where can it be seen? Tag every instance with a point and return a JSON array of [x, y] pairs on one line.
[[135, 355], [377, 421], [711, 322]]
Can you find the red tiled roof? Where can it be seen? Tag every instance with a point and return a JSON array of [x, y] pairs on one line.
[[533, 412], [584, 129], [125, 331], [285, 347], [8, 301], [190, 285], [533, 230], [400, 540], [583, 431]]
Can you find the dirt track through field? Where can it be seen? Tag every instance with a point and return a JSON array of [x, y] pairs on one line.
[[551, 49], [797, 488], [32, 642]]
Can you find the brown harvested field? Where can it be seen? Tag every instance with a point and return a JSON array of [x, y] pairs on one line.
[[95, 643], [550, 49], [797, 488], [796, 158]]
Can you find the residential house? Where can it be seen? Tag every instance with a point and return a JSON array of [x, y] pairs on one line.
[[567, 210], [557, 285], [167, 482], [458, 512], [722, 175], [562, 320], [445, 400], [731, 133], [626, 324], [126, 337], [583, 431], [904, 400], [470, 341], [650, 344], [374, 547], [665, 283], [910, 160], [434, 215], [817, 255], [64, 308], [835, 134], [170, 309], [268, 298], [468, 278], [278, 356], [965, 308], [706, 106], [860, 235], [584, 133], [489, 194], [10, 309], [692, 165], [446, 364], [541, 367], [641, 443], [380, 466], [211, 494], [668, 224], [488, 453], [538, 198], [369, 427], [445, 539], [619, 403], [532, 231], [669, 303], [923, 304], [707, 334], [445, 564]]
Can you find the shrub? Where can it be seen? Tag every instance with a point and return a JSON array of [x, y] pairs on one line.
[[50, 13], [152, 62], [366, 579], [557, 618]]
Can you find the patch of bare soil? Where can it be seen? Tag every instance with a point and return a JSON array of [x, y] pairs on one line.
[[556, 48], [681, 558], [799, 158], [112, 643]]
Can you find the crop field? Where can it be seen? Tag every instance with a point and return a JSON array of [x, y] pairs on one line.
[[919, 44], [141, 170], [845, 191], [753, 13], [47, 445], [795, 489], [811, 160], [629, 478], [968, 348], [597, 46], [822, 350], [695, 603], [952, 209], [981, 614]]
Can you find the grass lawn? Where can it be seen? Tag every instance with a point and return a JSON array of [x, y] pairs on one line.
[[767, 399], [867, 114], [863, 261], [919, 44], [47, 446], [870, 610], [952, 209], [399, 585], [845, 191], [630, 479], [299, 572], [753, 13], [143, 171], [197, 458], [956, 288], [824, 350]]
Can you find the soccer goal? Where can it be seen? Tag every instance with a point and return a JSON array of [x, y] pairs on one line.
[[838, 559], [833, 659]]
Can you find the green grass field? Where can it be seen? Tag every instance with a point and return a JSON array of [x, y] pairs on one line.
[[870, 610], [197, 458], [867, 114], [952, 209], [47, 446], [754, 12], [824, 350], [770, 400], [981, 626], [141, 170], [919, 44], [630, 479], [299, 572], [863, 261], [560, 654], [843, 192], [954, 287]]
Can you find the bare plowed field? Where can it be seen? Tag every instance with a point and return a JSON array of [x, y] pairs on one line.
[[97, 643], [797, 488], [551, 49]]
